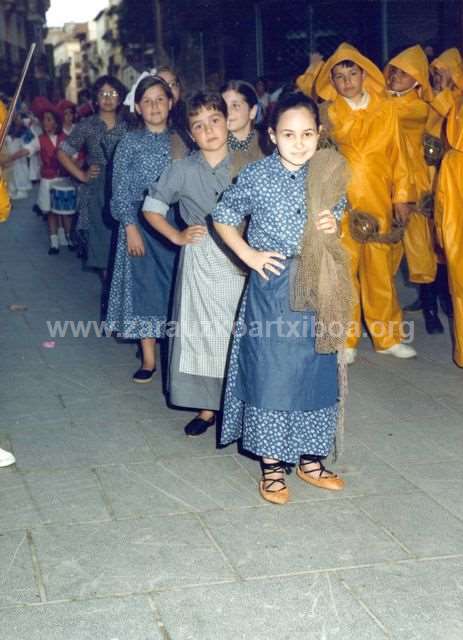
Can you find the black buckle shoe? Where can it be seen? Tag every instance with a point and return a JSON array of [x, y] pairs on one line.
[[142, 376], [198, 426], [432, 322]]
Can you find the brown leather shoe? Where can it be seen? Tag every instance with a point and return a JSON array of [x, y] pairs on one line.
[[332, 482], [278, 495]]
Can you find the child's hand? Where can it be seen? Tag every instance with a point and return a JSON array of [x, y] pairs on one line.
[[92, 172], [326, 222], [402, 212], [191, 235], [135, 244], [262, 261], [315, 57], [444, 78]]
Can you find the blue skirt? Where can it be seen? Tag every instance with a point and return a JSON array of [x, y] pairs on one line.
[[141, 287], [280, 396]]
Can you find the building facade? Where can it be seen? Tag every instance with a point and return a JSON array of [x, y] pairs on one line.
[[21, 23]]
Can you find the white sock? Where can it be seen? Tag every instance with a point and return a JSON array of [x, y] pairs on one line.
[[62, 237], [54, 242]]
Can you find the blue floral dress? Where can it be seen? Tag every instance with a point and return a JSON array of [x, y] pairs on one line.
[[305, 423], [141, 285], [95, 223]]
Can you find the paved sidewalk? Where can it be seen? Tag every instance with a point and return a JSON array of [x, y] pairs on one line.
[[115, 526]]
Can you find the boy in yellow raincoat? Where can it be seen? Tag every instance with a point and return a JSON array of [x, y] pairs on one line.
[[407, 78], [449, 191], [365, 127], [5, 205]]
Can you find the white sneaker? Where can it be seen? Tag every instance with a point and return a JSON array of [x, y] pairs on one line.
[[350, 354], [6, 458], [399, 350]]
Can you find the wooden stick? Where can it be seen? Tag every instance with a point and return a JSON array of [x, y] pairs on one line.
[[6, 125]]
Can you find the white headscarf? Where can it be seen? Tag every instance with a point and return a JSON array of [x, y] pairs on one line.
[[130, 98]]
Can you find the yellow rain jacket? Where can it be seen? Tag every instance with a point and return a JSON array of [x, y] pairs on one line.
[[5, 204], [413, 110], [371, 142], [449, 207], [306, 81]]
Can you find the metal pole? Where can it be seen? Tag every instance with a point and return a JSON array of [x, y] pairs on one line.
[[385, 30], [311, 43], [202, 60], [259, 43]]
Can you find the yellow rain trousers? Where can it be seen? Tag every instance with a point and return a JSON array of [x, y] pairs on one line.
[[5, 204], [449, 208], [371, 142], [413, 112]]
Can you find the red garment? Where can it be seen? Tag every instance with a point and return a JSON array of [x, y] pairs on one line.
[[51, 168]]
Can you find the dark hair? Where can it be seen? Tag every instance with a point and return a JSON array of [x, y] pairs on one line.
[[112, 82], [243, 88], [344, 63], [152, 81], [208, 100], [294, 100], [56, 117], [135, 120]]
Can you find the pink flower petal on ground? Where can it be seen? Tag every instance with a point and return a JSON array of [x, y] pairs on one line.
[[49, 344]]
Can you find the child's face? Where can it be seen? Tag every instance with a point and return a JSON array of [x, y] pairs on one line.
[[348, 81], [68, 118], [108, 99], [240, 114], [173, 83], [399, 80], [208, 128], [296, 137], [49, 123], [154, 108]]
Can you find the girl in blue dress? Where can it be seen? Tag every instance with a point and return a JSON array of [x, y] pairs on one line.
[[281, 395], [144, 264]]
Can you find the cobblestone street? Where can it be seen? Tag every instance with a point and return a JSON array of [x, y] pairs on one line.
[[115, 526]]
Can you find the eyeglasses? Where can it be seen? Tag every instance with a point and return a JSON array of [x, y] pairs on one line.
[[108, 94]]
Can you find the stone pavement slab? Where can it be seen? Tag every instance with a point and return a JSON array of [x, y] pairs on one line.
[[17, 580], [116, 619], [126, 557], [297, 608], [166, 486], [414, 600], [300, 538], [424, 527]]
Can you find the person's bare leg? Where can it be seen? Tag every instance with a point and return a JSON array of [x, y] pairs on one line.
[[206, 414], [67, 224], [148, 348], [52, 224]]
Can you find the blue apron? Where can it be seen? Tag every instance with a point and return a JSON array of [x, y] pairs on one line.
[[153, 273], [278, 367]]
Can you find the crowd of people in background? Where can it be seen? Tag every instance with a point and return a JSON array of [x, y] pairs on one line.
[[237, 208]]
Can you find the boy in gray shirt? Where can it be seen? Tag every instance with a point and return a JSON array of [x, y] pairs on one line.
[[209, 284]]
